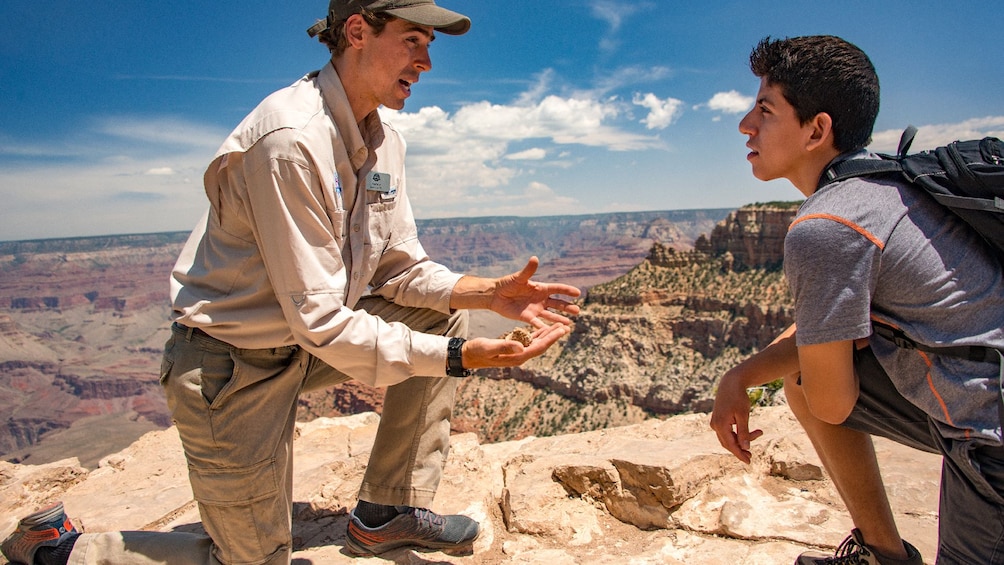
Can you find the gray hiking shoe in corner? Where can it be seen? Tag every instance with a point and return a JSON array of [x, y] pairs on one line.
[[854, 551], [413, 526], [45, 528]]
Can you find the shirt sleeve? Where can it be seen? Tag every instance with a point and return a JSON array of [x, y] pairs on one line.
[[300, 234], [831, 267]]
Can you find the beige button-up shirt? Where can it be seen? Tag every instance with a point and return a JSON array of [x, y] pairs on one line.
[[307, 213]]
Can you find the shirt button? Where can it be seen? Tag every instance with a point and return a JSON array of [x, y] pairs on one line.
[[355, 276], [355, 228]]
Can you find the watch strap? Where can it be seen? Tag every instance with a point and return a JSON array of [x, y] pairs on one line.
[[455, 359]]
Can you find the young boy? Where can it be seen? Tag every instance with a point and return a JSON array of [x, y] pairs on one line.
[[864, 250]]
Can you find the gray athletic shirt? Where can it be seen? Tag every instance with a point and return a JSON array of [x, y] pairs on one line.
[[866, 248]]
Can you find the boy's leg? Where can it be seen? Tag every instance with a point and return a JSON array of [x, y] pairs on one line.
[[235, 411], [849, 458], [848, 454], [971, 510]]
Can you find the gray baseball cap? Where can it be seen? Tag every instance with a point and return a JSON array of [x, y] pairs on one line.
[[421, 12]]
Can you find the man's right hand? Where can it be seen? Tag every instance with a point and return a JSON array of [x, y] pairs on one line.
[[486, 352]]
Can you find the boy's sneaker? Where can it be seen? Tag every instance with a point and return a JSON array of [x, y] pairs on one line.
[[412, 526], [853, 551], [45, 528]]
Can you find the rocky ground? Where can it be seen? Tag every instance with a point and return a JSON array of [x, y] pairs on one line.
[[661, 491]]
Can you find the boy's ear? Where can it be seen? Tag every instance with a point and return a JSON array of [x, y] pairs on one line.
[[821, 135]]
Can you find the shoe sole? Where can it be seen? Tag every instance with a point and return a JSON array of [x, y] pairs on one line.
[[360, 550]]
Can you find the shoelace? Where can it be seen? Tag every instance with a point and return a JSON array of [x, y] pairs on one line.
[[849, 553], [433, 520]]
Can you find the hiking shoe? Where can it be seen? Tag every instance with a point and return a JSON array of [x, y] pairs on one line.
[[45, 528], [853, 551], [413, 526]]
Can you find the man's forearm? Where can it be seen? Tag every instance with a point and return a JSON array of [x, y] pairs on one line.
[[472, 293]]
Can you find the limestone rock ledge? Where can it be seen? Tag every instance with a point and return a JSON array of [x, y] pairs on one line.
[[662, 491]]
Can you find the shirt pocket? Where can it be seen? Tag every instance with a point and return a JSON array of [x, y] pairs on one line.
[[380, 223]]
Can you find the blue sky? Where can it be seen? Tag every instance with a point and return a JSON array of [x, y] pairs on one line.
[[111, 110]]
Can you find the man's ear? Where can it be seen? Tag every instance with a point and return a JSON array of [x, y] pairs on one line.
[[354, 27], [821, 135]]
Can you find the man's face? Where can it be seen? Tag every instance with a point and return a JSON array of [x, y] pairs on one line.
[[777, 139], [394, 60]]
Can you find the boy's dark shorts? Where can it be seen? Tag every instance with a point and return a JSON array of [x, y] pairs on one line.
[[971, 509]]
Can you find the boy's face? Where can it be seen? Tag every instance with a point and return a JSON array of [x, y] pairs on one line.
[[777, 139]]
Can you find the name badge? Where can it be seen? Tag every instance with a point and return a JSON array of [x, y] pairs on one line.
[[378, 182]]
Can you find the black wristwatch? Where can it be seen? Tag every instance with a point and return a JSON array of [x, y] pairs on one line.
[[455, 358]]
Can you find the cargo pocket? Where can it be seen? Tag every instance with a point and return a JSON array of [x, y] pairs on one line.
[[244, 512], [235, 486], [167, 361]]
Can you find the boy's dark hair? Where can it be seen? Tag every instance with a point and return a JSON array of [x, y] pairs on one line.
[[823, 73], [334, 36]]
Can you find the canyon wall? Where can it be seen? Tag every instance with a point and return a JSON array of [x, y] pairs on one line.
[[652, 342], [82, 323], [83, 320]]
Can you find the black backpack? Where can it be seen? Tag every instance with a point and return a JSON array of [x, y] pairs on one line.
[[966, 177]]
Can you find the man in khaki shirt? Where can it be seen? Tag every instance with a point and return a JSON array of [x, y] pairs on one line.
[[306, 272]]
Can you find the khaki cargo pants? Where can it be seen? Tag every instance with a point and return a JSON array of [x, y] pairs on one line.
[[235, 411]]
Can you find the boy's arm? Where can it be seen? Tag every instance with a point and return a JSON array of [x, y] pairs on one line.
[[730, 417], [829, 382]]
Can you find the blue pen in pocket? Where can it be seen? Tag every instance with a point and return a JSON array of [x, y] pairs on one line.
[[338, 194]]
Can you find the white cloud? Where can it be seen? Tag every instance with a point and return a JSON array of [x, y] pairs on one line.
[[661, 113], [613, 13], [625, 77], [459, 161], [935, 135], [115, 175], [160, 131], [731, 102], [531, 200], [538, 90], [532, 154]]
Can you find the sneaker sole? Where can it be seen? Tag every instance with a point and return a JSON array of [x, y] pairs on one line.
[[360, 550]]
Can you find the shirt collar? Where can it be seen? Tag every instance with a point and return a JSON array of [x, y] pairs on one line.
[[337, 101]]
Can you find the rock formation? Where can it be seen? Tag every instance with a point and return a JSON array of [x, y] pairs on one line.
[[752, 235], [661, 491], [652, 342]]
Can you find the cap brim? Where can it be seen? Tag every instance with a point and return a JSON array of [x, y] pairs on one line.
[[440, 19]]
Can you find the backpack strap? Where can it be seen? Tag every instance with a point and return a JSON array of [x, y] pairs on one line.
[[973, 353], [995, 205], [851, 168], [863, 167], [857, 168], [906, 140], [976, 353]]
